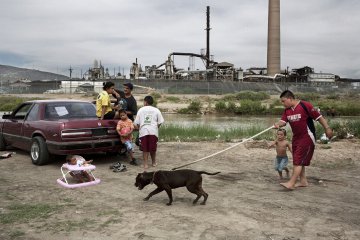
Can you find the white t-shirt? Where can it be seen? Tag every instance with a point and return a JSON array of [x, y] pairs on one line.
[[148, 118]]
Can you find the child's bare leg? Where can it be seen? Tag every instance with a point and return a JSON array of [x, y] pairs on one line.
[[145, 156], [153, 158], [89, 177], [131, 154], [291, 183], [287, 172], [79, 178], [280, 175], [303, 179]]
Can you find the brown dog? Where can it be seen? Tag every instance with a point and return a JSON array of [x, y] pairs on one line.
[[167, 180]]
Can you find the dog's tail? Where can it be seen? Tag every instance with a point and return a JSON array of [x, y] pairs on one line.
[[203, 172]]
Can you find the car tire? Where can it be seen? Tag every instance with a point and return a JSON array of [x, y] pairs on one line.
[[38, 151], [2, 143]]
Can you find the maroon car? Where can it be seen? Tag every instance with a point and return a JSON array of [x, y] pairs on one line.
[[59, 127]]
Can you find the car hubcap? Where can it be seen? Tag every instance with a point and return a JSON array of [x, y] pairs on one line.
[[35, 151]]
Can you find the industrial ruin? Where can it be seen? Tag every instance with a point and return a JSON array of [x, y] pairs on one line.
[[221, 71]]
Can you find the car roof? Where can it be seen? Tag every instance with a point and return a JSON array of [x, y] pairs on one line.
[[56, 100]]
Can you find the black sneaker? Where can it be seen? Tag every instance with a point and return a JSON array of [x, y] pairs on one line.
[[133, 162]]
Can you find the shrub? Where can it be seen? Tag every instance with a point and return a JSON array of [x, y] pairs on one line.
[[308, 96], [155, 95], [276, 111], [250, 107], [173, 99], [229, 97], [194, 107], [333, 96], [231, 107], [220, 106]]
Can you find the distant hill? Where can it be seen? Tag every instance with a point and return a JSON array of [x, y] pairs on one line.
[[13, 74]]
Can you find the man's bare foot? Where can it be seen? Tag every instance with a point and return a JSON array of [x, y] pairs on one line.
[[154, 164], [305, 184], [145, 167], [287, 186]]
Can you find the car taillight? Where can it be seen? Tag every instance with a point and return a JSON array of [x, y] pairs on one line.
[[76, 133]]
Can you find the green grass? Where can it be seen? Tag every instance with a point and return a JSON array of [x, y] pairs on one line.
[[24, 213], [207, 133], [16, 234]]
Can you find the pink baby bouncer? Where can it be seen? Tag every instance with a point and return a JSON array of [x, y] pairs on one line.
[[66, 169]]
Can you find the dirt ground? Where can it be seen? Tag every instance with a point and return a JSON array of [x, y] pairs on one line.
[[245, 199]]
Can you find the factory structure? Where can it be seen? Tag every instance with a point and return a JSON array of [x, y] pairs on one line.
[[225, 71], [221, 71], [215, 77]]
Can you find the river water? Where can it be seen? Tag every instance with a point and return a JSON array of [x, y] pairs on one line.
[[221, 122]]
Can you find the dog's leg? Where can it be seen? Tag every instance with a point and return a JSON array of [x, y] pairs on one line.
[[205, 196], [169, 193], [193, 189], [197, 198], [156, 191]]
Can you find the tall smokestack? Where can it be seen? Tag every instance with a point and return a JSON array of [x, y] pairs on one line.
[[273, 48], [207, 36]]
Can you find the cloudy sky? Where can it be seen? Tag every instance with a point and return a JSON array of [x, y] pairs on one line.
[[51, 35]]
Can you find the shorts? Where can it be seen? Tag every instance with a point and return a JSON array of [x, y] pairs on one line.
[[302, 154], [109, 115], [281, 163], [149, 143], [128, 145]]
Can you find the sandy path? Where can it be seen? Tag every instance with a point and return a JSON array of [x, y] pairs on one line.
[[245, 200]]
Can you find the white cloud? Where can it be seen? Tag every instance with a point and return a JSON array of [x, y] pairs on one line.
[[52, 35]]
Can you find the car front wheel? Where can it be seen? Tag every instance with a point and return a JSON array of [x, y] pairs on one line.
[[38, 151]]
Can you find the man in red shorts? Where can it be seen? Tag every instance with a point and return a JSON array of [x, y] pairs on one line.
[[300, 114], [148, 121]]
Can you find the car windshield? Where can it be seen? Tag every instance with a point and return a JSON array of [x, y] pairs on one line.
[[67, 110]]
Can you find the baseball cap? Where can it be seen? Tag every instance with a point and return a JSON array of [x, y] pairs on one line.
[[129, 85]]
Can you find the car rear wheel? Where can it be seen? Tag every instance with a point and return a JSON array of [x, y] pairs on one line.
[[2, 143], [38, 151]]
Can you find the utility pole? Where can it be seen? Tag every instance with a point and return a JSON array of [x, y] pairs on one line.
[[70, 70]]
